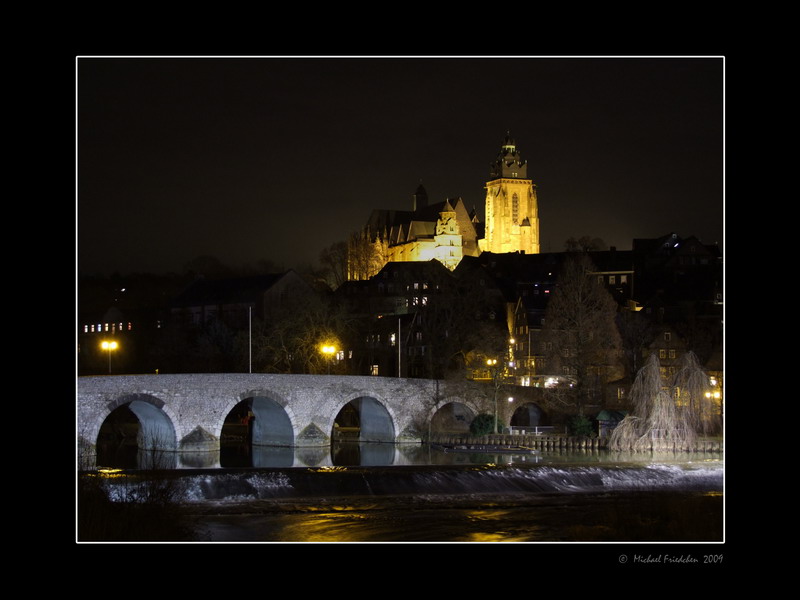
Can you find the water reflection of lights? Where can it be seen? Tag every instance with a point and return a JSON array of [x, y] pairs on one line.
[[109, 472], [328, 469]]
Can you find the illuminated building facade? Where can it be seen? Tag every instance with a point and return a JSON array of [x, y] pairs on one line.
[[444, 231], [447, 231], [512, 210]]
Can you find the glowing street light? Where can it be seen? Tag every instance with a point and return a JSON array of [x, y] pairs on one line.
[[329, 351], [109, 347]]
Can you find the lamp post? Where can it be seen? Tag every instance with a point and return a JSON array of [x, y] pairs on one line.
[[329, 351], [492, 364], [109, 347]]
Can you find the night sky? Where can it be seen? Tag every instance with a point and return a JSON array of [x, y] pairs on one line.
[[245, 159]]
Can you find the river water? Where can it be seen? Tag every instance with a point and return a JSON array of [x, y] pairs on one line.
[[368, 495]]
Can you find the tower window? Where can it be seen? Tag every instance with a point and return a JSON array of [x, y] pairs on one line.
[[515, 208]]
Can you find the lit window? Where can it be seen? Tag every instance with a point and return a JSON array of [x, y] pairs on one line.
[[612, 279], [374, 370]]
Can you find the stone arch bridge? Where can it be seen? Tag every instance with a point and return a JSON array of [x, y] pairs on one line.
[[185, 414]]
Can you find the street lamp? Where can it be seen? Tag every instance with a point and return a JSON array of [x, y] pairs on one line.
[[109, 347], [492, 364], [329, 351]]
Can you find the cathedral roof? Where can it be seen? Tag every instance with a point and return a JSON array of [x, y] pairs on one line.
[[385, 220]]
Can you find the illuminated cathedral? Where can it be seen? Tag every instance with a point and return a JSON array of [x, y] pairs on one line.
[[447, 231]]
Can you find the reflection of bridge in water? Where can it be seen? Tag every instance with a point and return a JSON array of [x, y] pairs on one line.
[[186, 420]]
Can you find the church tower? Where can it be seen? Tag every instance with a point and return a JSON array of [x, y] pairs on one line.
[[512, 210]]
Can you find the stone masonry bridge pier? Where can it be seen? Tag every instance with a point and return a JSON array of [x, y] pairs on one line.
[[182, 416]]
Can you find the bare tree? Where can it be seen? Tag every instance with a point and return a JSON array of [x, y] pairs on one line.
[[636, 334], [580, 325], [334, 261], [584, 244], [664, 413], [694, 396], [292, 341], [364, 256]]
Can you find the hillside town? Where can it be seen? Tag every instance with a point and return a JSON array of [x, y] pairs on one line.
[[431, 292]]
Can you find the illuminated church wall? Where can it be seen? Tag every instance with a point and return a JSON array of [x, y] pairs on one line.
[[512, 209], [447, 231]]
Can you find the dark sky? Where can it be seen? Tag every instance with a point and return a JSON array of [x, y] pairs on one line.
[[246, 159]]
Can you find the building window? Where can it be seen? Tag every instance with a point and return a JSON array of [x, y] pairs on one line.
[[373, 370], [515, 209], [667, 336], [612, 279]]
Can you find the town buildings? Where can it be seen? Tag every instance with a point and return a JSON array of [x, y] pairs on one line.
[[433, 292]]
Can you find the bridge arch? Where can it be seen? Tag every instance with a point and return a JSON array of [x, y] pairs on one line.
[[156, 439], [454, 416], [274, 423], [528, 414], [373, 418]]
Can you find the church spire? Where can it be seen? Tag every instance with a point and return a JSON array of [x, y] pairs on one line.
[[509, 163]]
